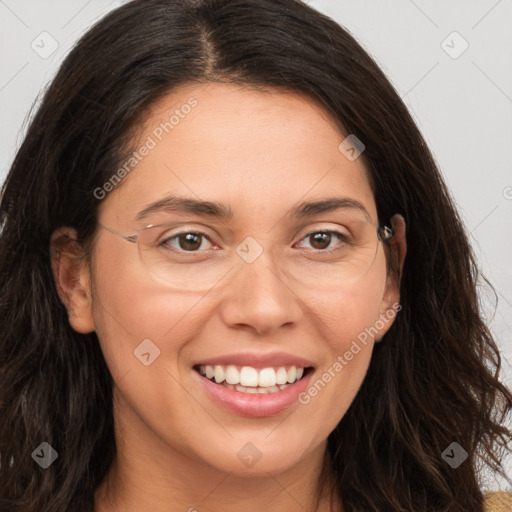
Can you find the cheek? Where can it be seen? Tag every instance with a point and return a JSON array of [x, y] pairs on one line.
[[346, 320], [344, 315], [143, 328], [130, 309]]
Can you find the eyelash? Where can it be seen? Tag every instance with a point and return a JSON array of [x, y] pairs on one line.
[[342, 237]]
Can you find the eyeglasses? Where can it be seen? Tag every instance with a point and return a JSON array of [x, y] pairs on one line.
[[192, 260]]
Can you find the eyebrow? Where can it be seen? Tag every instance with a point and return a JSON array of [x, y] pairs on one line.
[[224, 212]]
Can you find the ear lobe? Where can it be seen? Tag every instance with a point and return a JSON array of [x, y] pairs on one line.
[[390, 304], [72, 279]]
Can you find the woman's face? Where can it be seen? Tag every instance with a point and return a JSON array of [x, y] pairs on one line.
[[258, 292]]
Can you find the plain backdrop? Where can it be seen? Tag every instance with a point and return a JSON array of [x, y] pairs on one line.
[[451, 62]]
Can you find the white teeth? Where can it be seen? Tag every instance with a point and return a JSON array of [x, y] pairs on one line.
[[267, 377], [281, 376], [219, 374], [292, 374], [232, 375], [261, 391], [247, 377]]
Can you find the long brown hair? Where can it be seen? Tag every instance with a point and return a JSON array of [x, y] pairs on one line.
[[432, 381]]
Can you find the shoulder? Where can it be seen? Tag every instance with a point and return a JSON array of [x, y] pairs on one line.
[[498, 501]]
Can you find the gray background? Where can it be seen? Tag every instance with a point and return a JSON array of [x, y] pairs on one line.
[[460, 97]]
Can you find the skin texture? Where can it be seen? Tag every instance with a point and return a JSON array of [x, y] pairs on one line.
[[261, 153]]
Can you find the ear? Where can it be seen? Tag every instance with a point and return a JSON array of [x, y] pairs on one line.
[[390, 304], [72, 279]]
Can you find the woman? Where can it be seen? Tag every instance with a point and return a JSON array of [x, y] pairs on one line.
[[233, 278]]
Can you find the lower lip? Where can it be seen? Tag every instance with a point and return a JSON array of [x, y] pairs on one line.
[[252, 404]]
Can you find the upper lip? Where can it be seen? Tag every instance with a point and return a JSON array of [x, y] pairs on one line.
[[256, 360]]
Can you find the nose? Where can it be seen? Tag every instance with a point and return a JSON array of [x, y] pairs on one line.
[[258, 297]]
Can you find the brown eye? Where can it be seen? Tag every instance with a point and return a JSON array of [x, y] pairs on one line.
[[186, 241], [189, 241], [321, 240]]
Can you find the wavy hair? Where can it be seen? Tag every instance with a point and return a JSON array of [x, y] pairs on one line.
[[433, 380]]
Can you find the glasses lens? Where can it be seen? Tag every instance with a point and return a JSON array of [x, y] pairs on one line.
[[326, 259]]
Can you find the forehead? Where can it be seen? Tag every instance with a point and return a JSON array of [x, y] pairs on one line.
[[260, 151]]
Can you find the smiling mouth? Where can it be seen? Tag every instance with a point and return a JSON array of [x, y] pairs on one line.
[[248, 379]]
